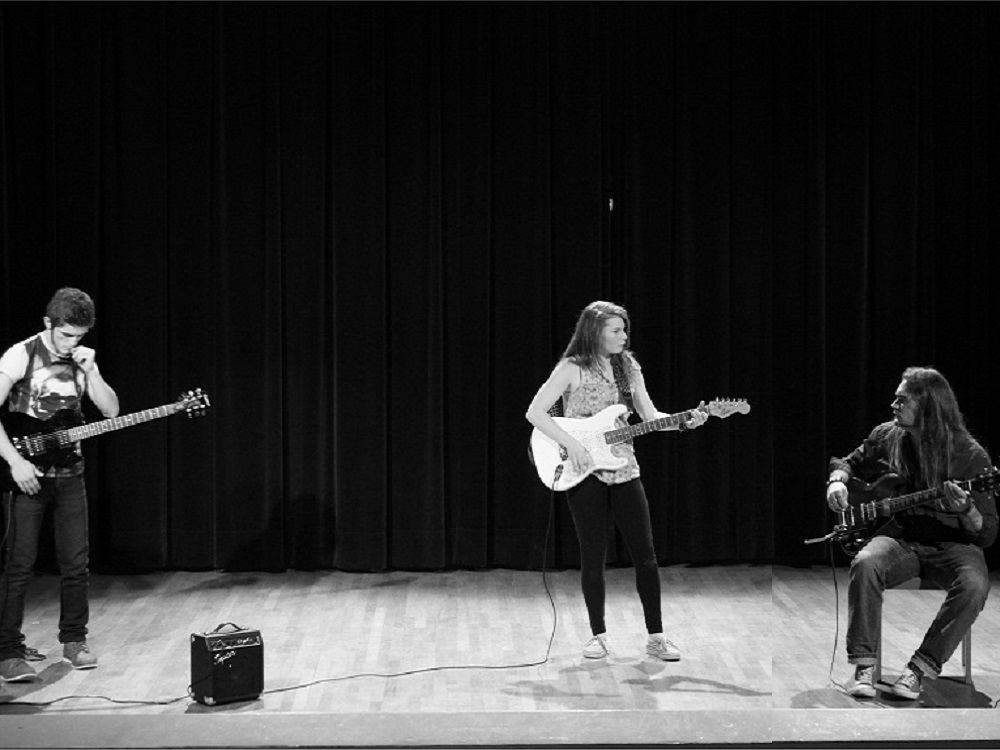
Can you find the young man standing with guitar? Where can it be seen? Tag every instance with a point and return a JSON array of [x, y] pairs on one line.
[[42, 376], [596, 371], [926, 449]]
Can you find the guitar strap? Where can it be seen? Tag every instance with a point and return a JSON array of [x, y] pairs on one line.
[[621, 380]]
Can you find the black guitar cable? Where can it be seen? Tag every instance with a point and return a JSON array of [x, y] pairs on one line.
[[836, 619], [8, 513], [836, 634], [9, 498], [386, 675], [491, 667]]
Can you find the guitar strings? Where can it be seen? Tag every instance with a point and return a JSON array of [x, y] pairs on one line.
[[46, 441]]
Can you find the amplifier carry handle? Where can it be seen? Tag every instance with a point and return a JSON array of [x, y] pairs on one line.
[[220, 626]]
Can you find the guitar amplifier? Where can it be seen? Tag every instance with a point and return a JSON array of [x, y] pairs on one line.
[[226, 665]]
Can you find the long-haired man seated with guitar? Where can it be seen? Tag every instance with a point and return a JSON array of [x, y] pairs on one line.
[[41, 377], [937, 532], [596, 372]]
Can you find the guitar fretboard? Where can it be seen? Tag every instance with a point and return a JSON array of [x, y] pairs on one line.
[[118, 423], [891, 505], [35, 445], [611, 437]]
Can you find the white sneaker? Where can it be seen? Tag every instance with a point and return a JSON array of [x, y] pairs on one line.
[[597, 647], [661, 648]]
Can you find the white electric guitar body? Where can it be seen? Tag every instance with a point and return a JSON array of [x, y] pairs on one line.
[[599, 433]]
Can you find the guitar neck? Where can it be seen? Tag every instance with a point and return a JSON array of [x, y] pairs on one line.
[[104, 426], [892, 505], [644, 428]]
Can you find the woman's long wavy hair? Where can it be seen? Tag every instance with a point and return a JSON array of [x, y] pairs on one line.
[[942, 426], [585, 345]]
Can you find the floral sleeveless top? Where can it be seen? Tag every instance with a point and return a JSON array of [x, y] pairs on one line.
[[597, 392]]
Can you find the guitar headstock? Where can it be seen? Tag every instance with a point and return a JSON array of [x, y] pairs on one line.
[[724, 407], [193, 402], [986, 481]]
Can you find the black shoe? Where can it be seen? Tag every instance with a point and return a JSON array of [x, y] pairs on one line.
[[908, 684], [863, 684], [32, 654]]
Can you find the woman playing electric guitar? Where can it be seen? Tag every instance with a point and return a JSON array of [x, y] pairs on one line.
[[597, 371]]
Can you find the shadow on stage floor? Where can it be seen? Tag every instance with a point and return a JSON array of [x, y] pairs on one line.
[[481, 659]]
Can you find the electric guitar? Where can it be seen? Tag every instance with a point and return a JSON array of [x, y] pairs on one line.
[[598, 433], [47, 442], [872, 505]]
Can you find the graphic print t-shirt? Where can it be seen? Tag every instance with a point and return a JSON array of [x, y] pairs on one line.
[[43, 383]]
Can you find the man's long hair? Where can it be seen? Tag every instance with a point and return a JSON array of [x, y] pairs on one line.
[[585, 345], [942, 426]]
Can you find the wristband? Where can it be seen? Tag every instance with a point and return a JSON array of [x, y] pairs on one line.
[[968, 508], [682, 425], [831, 480]]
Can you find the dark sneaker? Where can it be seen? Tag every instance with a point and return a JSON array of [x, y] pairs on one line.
[[863, 684], [661, 648], [78, 655], [31, 654], [17, 669], [908, 684]]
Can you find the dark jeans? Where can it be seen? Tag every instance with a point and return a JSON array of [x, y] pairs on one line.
[[960, 569], [589, 503], [23, 515]]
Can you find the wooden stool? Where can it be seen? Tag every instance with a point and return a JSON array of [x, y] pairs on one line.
[[923, 583]]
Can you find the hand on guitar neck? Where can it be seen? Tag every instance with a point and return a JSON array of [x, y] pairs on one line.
[[955, 499]]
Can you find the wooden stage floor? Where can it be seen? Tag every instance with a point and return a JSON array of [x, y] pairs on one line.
[[463, 658]]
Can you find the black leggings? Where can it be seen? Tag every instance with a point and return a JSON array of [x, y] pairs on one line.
[[589, 502]]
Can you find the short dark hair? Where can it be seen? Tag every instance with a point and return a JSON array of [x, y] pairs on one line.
[[70, 306]]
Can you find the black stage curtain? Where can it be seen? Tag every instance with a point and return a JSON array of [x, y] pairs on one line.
[[366, 229]]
